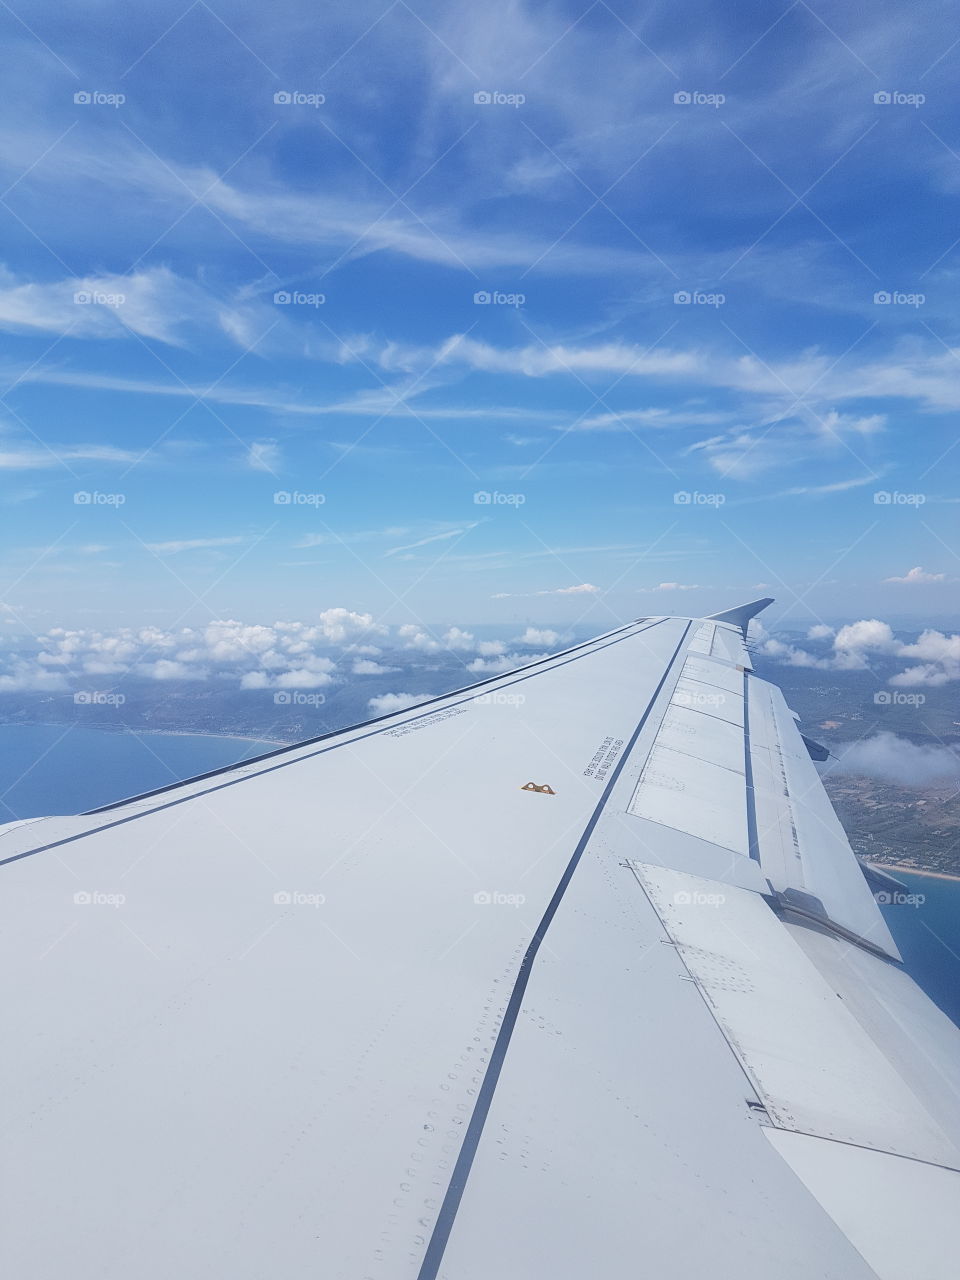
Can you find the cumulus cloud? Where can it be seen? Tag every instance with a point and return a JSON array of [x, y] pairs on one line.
[[389, 702], [367, 667], [894, 759], [276, 656], [820, 631], [488, 666], [918, 575], [538, 638], [26, 678], [455, 639], [857, 643]]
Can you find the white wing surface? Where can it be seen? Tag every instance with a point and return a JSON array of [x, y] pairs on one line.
[[570, 973]]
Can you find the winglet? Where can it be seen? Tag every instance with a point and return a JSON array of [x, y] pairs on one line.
[[740, 617]]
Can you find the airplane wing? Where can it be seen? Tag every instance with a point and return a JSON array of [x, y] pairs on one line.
[[569, 973]]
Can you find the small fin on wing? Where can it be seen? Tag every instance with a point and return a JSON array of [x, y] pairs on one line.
[[741, 615]]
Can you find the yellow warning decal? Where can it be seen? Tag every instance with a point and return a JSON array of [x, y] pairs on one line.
[[532, 786]]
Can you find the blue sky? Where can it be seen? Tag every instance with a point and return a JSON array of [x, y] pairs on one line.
[[217, 288]]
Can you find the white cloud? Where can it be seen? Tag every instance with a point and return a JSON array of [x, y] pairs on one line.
[[895, 759], [434, 537], [938, 654], [504, 662], [26, 678], [386, 703], [820, 631], [340, 625], [190, 544], [264, 455], [167, 669], [257, 656], [154, 303], [366, 667], [39, 459], [918, 575], [538, 638], [581, 589], [867, 635], [414, 638]]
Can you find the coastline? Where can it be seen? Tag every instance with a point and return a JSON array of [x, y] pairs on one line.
[[914, 871], [140, 733]]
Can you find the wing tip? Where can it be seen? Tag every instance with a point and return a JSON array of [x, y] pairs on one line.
[[740, 615]]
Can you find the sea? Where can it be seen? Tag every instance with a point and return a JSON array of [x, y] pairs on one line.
[[59, 769]]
